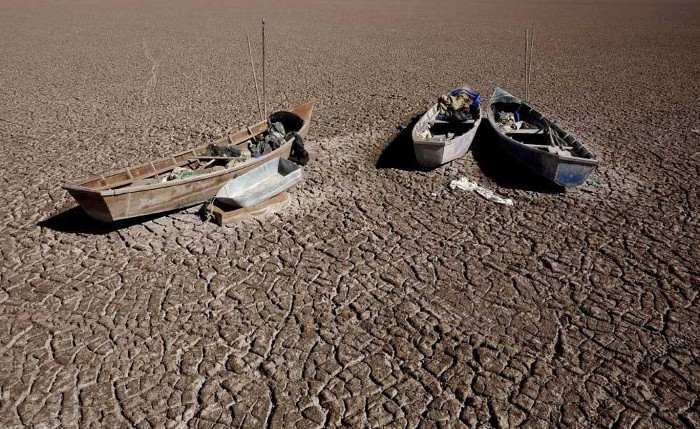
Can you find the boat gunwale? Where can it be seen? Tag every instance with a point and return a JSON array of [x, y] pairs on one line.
[[77, 186], [130, 189], [516, 100]]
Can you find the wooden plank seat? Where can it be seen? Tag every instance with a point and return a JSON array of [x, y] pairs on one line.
[[545, 146], [438, 121], [526, 131]]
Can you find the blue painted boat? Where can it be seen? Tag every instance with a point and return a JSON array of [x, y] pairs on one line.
[[538, 143]]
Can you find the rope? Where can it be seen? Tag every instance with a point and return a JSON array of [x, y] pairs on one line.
[[209, 210]]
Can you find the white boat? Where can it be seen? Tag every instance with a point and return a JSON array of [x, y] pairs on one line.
[[261, 183], [437, 142]]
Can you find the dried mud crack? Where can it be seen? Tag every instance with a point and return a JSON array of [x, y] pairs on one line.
[[379, 298]]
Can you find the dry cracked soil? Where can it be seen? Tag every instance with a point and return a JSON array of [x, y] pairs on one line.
[[379, 297]]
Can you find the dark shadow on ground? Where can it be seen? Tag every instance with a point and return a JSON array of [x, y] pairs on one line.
[[399, 152], [504, 170], [76, 221]]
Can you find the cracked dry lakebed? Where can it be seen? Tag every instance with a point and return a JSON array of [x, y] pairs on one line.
[[378, 297]]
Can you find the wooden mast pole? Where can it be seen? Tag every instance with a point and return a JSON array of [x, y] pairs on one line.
[[532, 44], [263, 67], [527, 46]]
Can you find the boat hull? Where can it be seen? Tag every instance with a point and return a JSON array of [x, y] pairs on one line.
[[112, 203], [260, 184], [433, 153], [564, 171], [148, 201], [430, 154]]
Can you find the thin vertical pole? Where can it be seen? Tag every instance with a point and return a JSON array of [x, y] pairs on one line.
[[263, 67], [255, 80], [527, 45], [532, 44]]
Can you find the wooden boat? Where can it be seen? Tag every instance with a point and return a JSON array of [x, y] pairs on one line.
[[438, 142], [261, 183], [539, 143], [139, 191]]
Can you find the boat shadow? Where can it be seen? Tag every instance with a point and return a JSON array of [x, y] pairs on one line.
[[399, 153], [500, 167], [76, 221]]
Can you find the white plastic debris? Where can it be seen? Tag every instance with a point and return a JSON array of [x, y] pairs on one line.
[[468, 185]]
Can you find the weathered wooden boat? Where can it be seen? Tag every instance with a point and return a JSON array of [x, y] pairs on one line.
[[539, 143], [140, 191], [261, 183], [438, 142]]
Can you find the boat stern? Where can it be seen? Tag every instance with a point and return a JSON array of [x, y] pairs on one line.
[[570, 174], [428, 154]]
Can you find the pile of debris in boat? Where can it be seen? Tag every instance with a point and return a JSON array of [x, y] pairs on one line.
[[220, 157]]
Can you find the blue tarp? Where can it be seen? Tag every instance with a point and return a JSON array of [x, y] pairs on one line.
[[475, 96], [461, 114]]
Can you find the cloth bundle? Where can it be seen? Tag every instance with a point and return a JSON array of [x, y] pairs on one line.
[[459, 104]]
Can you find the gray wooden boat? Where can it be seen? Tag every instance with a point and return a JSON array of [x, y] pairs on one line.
[[139, 191], [437, 142], [261, 183], [538, 143]]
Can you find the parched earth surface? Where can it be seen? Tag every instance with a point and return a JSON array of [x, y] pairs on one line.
[[379, 297]]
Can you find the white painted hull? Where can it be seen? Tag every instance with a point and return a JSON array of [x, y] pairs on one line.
[[431, 152]]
